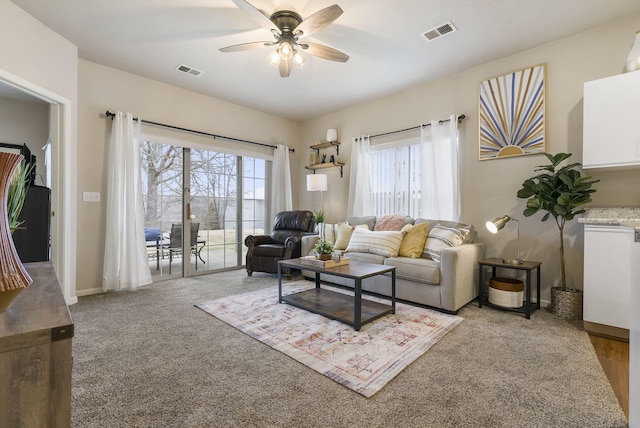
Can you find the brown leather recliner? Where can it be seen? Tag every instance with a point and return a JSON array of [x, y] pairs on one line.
[[284, 242]]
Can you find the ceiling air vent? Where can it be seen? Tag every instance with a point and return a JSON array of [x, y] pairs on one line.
[[440, 30], [192, 71]]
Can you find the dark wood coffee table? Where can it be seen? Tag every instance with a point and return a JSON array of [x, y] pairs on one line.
[[349, 309]]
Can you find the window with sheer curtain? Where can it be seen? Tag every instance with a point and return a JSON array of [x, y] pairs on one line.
[[418, 176], [396, 178]]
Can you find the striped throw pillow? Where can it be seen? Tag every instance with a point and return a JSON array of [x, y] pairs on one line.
[[330, 232], [383, 243], [442, 237]]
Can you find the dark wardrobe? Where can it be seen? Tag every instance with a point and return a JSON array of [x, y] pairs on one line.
[[32, 238]]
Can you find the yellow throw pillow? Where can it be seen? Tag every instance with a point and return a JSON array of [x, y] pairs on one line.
[[413, 241], [343, 236]]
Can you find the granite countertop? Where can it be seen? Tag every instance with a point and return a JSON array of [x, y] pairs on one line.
[[615, 216]]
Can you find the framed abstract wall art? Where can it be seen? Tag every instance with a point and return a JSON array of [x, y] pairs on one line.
[[511, 114]]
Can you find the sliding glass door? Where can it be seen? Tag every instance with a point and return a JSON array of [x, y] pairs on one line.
[[214, 206], [218, 197]]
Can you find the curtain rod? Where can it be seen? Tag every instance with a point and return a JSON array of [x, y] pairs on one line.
[[222, 137], [460, 118]]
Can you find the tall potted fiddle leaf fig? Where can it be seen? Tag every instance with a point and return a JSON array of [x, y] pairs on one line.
[[561, 192]]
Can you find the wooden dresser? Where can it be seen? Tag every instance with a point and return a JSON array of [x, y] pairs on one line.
[[35, 355]]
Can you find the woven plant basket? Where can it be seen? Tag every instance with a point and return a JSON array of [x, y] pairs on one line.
[[506, 292], [566, 304]]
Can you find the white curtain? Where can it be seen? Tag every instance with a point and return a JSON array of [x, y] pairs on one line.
[[440, 187], [281, 181], [126, 264], [360, 198], [47, 163]]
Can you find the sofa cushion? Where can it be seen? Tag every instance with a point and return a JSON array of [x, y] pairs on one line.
[[294, 220], [425, 271], [343, 236], [366, 258], [370, 221], [268, 250], [414, 239], [390, 222], [441, 237], [383, 243]]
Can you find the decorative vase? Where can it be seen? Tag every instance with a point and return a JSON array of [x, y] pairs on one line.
[[13, 276], [324, 257], [566, 303], [332, 135], [633, 59], [313, 158]]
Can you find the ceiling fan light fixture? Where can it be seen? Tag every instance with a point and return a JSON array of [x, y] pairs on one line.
[[298, 59], [285, 50], [274, 58], [287, 28]]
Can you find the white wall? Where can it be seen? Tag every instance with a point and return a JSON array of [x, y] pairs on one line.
[[489, 187], [102, 88], [24, 122]]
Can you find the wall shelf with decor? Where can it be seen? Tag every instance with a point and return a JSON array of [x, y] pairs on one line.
[[318, 147], [338, 165], [331, 163]]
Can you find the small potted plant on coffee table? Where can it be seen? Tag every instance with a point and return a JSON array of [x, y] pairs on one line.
[[324, 249]]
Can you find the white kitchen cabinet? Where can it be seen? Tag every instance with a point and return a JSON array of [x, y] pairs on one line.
[[611, 135], [610, 257], [634, 351]]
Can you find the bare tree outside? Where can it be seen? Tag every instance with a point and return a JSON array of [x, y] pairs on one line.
[[161, 177], [213, 186], [214, 182]]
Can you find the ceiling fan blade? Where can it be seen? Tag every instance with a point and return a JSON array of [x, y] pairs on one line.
[[245, 46], [258, 16], [324, 52], [318, 20], [284, 66]]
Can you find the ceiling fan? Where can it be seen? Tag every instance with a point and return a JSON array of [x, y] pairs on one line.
[[288, 28]]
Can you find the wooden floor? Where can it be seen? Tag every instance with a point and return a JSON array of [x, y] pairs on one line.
[[614, 358]]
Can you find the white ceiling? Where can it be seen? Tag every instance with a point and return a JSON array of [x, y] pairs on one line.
[[383, 38]]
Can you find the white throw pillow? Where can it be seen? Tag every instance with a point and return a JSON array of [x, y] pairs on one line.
[[440, 238], [383, 243], [330, 232]]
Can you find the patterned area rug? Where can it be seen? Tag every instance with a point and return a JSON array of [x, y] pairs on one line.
[[364, 360]]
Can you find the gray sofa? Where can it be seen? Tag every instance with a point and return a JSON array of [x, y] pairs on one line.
[[446, 285]]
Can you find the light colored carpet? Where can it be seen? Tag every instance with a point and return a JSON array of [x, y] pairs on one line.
[[364, 360], [149, 358]]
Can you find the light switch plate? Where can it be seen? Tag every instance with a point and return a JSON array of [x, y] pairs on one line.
[[91, 196]]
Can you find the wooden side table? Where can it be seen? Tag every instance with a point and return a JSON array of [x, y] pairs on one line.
[[528, 306]]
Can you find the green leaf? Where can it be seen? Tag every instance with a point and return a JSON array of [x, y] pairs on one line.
[[17, 192], [558, 158]]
